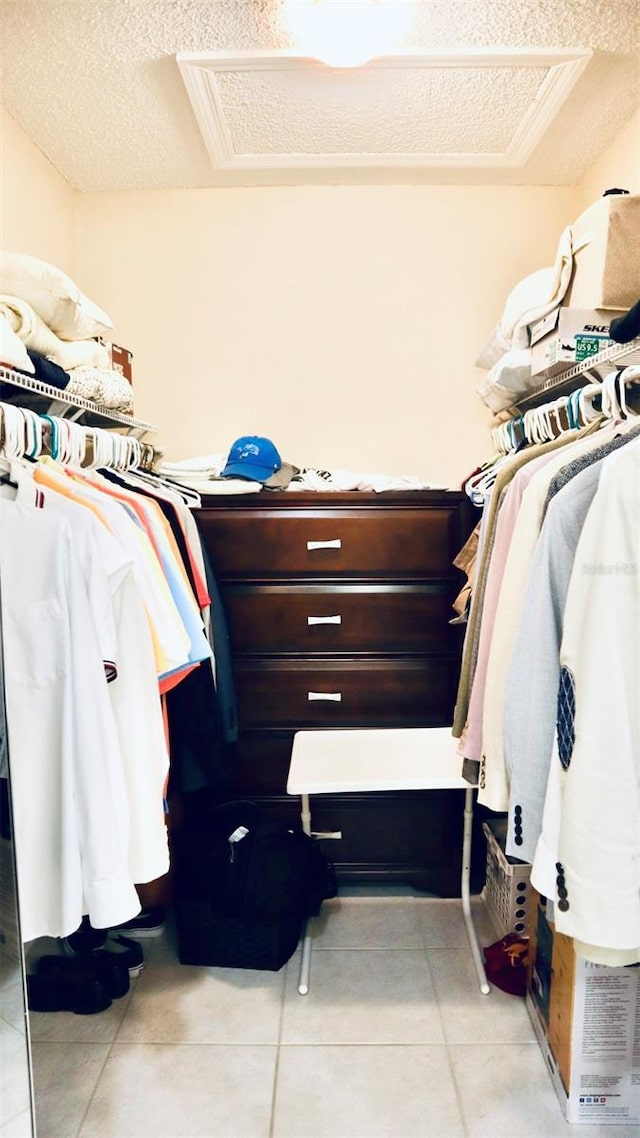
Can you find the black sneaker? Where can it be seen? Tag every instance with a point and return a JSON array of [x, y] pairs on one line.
[[126, 951], [148, 923], [84, 939], [87, 943]]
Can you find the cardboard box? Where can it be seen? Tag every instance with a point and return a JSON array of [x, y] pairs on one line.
[[587, 1021], [567, 336], [121, 361], [606, 254]]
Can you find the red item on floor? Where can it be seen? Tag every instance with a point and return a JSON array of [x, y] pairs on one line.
[[506, 964]]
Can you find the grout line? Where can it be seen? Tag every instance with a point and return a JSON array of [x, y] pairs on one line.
[[457, 1091], [130, 995], [93, 1093], [276, 1069]]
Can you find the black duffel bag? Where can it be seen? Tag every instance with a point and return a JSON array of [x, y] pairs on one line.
[[244, 887]]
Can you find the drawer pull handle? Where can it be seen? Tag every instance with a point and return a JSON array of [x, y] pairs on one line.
[[335, 696], [335, 543], [324, 620]]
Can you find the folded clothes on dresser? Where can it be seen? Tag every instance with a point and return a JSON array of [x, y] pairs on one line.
[[313, 479]]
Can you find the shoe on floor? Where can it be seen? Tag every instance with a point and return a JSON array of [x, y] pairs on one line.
[[84, 939], [103, 966], [148, 923], [128, 952], [81, 994]]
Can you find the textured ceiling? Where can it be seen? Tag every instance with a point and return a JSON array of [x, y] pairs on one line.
[[99, 87]]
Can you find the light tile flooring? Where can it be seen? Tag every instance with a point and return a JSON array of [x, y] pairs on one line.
[[394, 1040]]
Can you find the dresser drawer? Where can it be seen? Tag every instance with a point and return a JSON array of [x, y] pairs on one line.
[[328, 693], [261, 763], [338, 618], [394, 543]]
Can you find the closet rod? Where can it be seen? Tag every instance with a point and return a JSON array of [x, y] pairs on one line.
[[74, 407]]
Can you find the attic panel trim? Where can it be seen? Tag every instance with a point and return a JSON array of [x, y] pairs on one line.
[[199, 71]]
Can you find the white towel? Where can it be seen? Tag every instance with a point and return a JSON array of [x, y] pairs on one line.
[[35, 334]]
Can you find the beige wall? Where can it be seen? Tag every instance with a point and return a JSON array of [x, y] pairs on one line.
[[619, 166], [36, 206], [342, 322]]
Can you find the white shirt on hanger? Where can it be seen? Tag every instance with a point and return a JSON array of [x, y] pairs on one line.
[[70, 802]]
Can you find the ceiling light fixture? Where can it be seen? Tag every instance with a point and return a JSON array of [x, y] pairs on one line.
[[347, 33]]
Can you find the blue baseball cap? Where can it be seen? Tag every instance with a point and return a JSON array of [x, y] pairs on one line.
[[252, 457]]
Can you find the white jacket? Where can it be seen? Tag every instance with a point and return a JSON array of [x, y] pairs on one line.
[[599, 834]]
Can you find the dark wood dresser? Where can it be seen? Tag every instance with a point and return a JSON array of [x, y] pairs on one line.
[[338, 607]]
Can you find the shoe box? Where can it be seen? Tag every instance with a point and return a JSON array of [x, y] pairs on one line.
[[568, 336], [587, 1021]]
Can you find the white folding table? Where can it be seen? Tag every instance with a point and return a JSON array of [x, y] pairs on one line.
[[343, 761]]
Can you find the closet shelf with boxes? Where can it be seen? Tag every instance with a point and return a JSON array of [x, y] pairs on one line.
[[591, 370], [56, 343], [561, 325]]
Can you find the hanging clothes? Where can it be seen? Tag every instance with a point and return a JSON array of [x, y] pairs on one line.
[[593, 821], [71, 809], [104, 593], [546, 679], [532, 680]]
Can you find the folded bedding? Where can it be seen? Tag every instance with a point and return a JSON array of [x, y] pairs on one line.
[[101, 385], [35, 334], [12, 350], [56, 298]]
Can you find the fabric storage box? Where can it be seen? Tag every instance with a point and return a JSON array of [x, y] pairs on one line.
[[244, 886], [606, 254], [587, 1021], [207, 936], [570, 335], [507, 890]]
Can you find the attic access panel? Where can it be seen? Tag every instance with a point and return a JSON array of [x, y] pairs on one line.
[[466, 109]]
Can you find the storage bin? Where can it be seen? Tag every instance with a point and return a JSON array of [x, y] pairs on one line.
[[606, 266], [507, 890]]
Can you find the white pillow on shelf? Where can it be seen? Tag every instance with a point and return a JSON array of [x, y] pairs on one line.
[[507, 381], [529, 300], [12, 351], [54, 296]]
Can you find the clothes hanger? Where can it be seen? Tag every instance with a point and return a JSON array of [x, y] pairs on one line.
[[611, 406], [573, 409], [14, 441], [173, 490], [5, 465], [587, 413], [628, 377]]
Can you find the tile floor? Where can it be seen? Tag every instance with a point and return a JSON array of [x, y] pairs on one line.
[[394, 1040]]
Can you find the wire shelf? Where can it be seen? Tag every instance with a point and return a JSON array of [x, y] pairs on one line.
[[84, 411], [587, 371]]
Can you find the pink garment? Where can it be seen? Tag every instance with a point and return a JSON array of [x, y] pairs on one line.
[[472, 748]]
